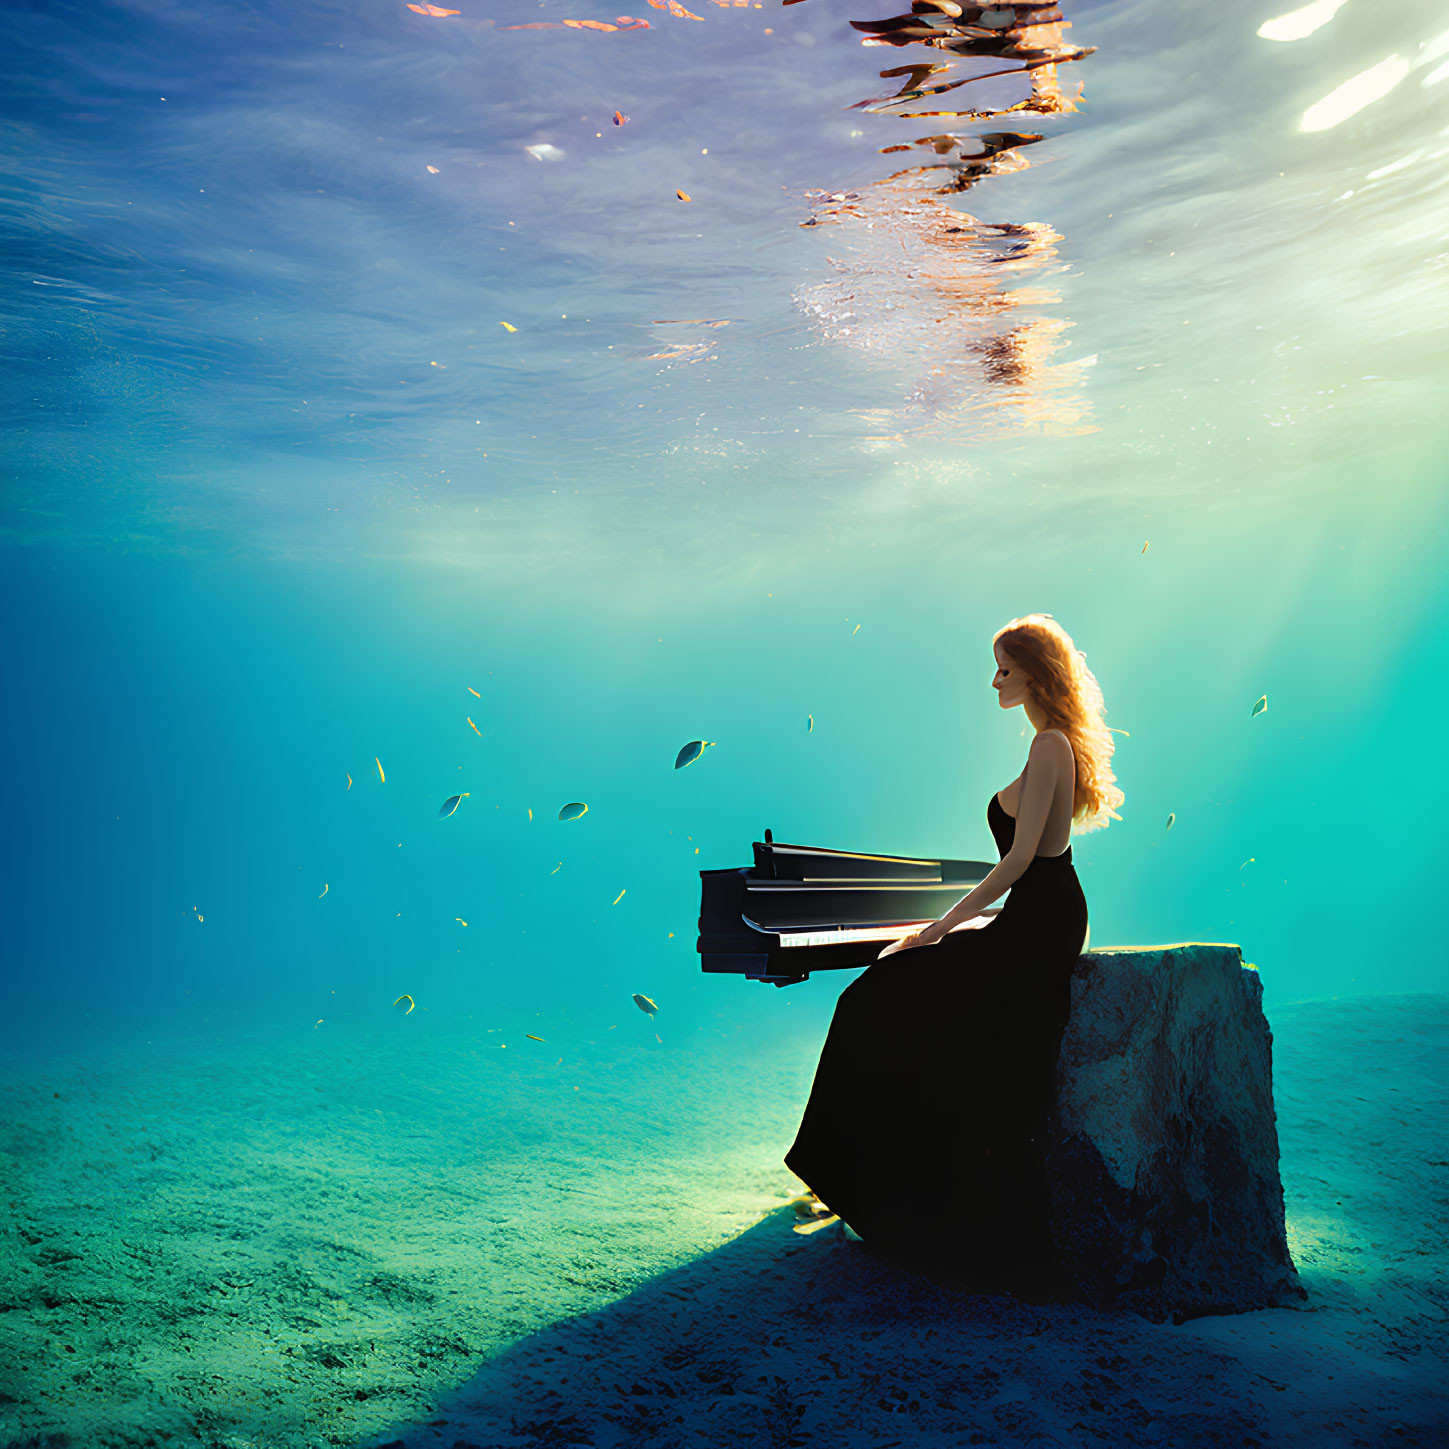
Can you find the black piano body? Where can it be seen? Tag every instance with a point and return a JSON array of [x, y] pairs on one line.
[[804, 908]]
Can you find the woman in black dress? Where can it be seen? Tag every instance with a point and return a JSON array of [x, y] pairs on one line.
[[925, 1125]]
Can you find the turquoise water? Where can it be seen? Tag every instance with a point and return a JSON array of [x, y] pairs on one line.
[[255, 538], [286, 505]]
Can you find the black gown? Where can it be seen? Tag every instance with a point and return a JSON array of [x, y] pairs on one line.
[[924, 1129]]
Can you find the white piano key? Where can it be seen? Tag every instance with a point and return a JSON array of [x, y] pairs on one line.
[[839, 936]]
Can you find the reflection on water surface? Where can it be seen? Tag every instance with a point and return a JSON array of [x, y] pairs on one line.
[[956, 299]]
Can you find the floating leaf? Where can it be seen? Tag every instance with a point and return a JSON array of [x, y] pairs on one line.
[[1261, 705], [1170, 818], [449, 805], [645, 1004], [509, 326], [436, 12], [380, 775], [684, 196], [411, 1003], [620, 119], [572, 810], [691, 752]]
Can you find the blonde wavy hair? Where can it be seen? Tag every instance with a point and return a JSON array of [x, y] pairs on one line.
[[1068, 694]]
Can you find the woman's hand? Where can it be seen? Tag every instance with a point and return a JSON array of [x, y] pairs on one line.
[[926, 936]]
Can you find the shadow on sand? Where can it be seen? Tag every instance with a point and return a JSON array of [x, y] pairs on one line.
[[783, 1339]]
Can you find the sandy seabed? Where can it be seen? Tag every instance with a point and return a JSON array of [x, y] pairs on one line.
[[376, 1237]]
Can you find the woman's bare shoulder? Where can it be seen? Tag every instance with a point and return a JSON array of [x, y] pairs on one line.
[[1054, 746], [1052, 734]]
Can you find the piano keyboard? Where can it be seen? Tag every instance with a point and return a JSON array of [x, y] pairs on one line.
[[838, 935]]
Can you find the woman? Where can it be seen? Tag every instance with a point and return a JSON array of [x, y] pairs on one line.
[[925, 1125]]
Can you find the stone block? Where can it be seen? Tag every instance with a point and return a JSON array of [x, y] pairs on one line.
[[1162, 1147]]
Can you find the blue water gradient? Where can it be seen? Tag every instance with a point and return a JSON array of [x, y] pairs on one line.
[[279, 488]]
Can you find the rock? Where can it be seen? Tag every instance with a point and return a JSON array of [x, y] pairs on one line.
[[1162, 1149]]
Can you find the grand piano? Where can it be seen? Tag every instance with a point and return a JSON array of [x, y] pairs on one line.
[[804, 908]]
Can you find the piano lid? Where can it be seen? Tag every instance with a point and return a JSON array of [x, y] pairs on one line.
[[775, 860]]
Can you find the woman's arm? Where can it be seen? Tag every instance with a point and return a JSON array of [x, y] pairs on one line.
[[1052, 756]]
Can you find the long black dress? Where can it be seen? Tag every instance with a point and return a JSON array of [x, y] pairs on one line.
[[924, 1127]]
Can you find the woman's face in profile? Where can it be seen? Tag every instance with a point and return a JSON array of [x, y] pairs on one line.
[[1010, 682]]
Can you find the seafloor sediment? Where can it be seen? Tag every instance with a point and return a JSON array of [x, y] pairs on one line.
[[376, 1238]]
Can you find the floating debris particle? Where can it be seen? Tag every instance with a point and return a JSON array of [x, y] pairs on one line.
[[572, 810], [1261, 705], [324, 890], [317, 1023], [509, 326], [644, 1004], [349, 780], [618, 897], [530, 812], [684, 196], [1116, 731], [809, 723], [544, 151], [473, 727], [1248, 861], [855, 631], [1170, 818], [436, 12], [621, 22], [1144, 546], [691, 752], [450, 804], [460, 920], [531, 1037], [380, 774], [555, 870], [620, 119], [473, 691], [411, 1003], [433, 171]]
